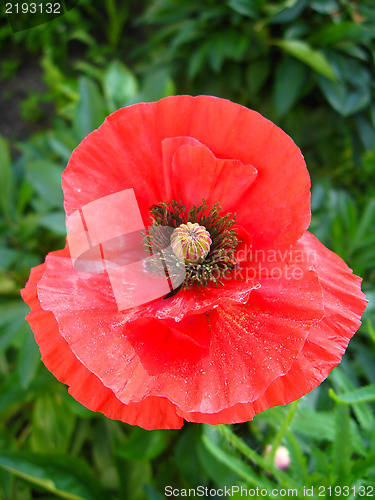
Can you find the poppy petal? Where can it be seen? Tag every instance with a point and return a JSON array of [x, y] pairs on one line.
[[126, 152], [217, 183], [84, 386], [169, 147], [325, 344], [143, 358], [197, 301]]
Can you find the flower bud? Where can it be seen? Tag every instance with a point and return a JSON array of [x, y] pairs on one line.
[[281, 459]]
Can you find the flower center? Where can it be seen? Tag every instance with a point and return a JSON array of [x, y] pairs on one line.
[[191, 242], [200, 240]]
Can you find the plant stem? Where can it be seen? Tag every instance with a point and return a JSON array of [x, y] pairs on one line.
[[252, 455], [281, 432]]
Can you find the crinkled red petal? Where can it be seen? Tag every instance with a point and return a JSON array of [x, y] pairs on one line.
[[327, 340], [84, 386], [213, 393], [197, 300], [126, 152], [250, 344], [225, 180]]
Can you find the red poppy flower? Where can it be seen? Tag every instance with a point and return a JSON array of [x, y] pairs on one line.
[[263, 311]]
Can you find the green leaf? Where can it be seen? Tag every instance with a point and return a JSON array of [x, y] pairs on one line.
[[313, 58], [24, 196], [197, 60], [322, 463], [91, 111], [362, 411], [352, 90], [14, 333], [29, 223], [366, 132], [331, 33], [289, 83], [120, 85], [299, 461], [8, 285], [364, 359], [247, 8], [143, 445], [362, 395], [366, 223], [221, 441], [76, 408], [55, 222], [325, 6], [65, 476], [316, 425], [292, 9], [216, 52], [135, 477], [29, 361], [11, 393], [235, 44], [320, 426], [45, 177], [186, 456], [152, 494], [187, 32], [53, 424], [59, 147], [361, 467], [345, 99], [11, 310], [7, 257], [80, 34], [342, 446], [352, 50], [256, 74], [224, 468], [6, 177], [157, 85], [103, 451]]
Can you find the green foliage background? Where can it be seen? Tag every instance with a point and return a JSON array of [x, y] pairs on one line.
[[308, 65]]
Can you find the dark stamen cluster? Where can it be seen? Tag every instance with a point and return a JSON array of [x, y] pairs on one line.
[[219, 261]]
